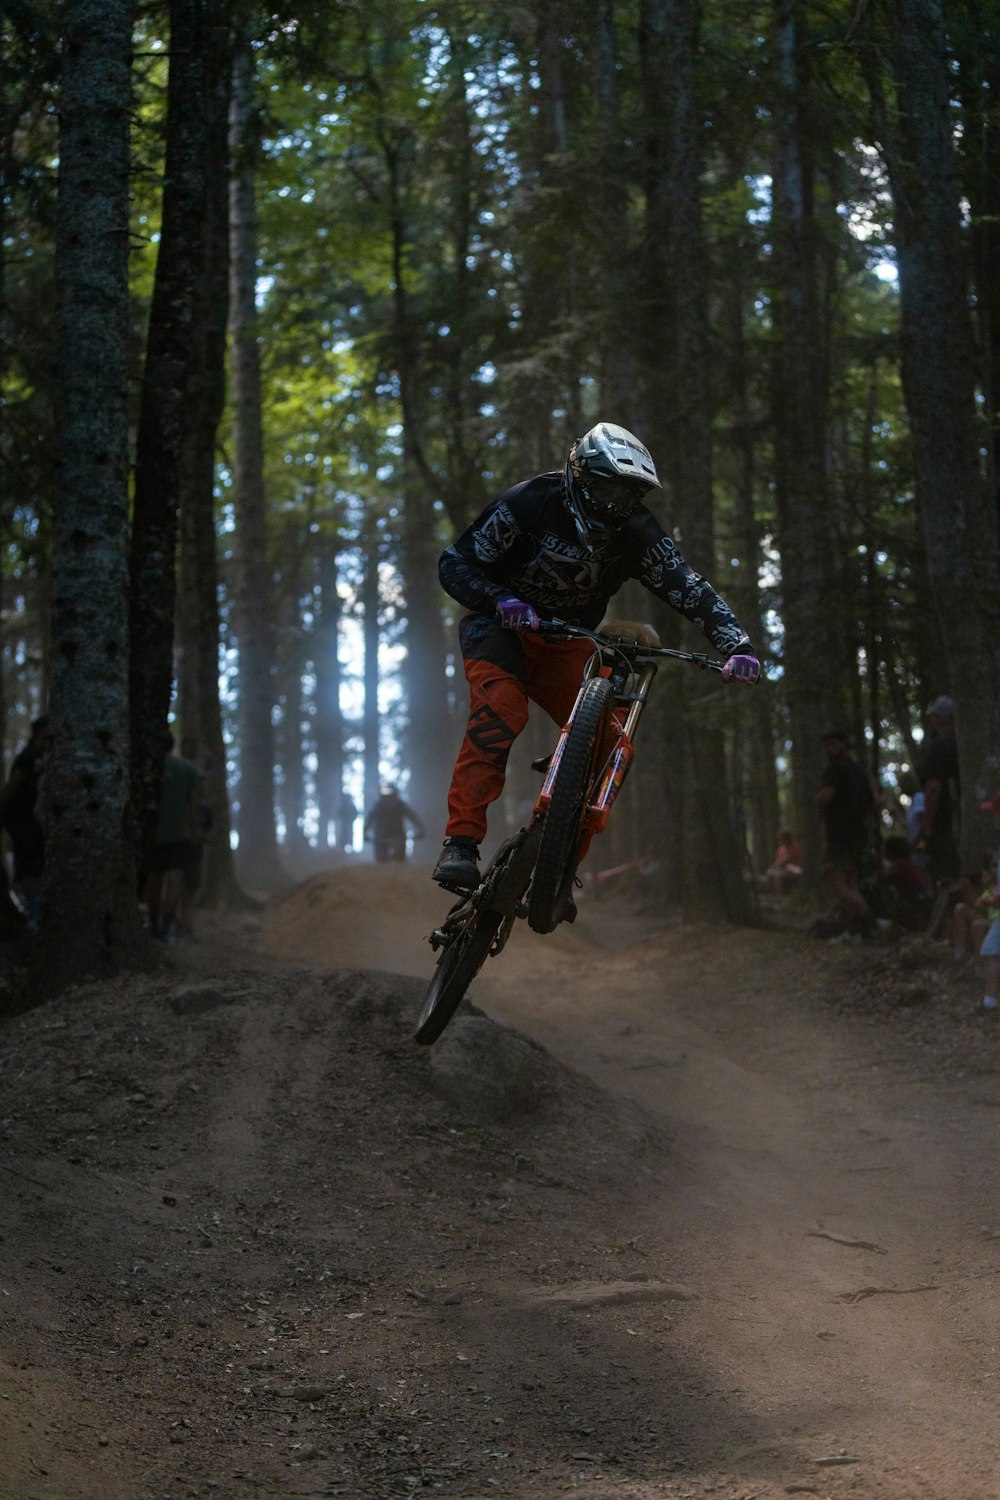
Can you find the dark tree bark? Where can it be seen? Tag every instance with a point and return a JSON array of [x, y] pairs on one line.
[[29, 72], [713, 874], [548, 372], [198, 620], [329, 720], [617, 355], [914, 128], [975, 30], [252, 604], [370, 602], [289, 742], [89, 916], [760, 789], [167, 402]]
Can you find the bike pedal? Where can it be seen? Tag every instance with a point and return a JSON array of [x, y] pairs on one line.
[[457, 890]]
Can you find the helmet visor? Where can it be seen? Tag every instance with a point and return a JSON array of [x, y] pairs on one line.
[[608, 499]]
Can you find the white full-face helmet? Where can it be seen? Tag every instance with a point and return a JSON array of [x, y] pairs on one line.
[[607, 473]]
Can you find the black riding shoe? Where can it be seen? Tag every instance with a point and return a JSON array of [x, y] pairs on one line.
[[458, 864]]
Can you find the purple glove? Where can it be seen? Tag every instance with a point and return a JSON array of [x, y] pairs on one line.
[[741, 669], [514, 614]]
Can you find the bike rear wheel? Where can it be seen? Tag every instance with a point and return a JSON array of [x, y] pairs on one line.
[[457, 967], [562, 833]]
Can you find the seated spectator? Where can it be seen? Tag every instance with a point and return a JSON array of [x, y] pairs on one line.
[[909, 886], [972, 915], [989, 948], [787, 865]]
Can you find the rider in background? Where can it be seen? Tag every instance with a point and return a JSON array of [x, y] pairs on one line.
[[556, 546], [386, 823]]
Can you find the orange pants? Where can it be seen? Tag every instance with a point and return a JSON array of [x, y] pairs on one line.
[[545, 672]]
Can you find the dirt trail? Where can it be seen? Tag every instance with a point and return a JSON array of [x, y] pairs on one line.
[[839, 1207], [749, 1248]]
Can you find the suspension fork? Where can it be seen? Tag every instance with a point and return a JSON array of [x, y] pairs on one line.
[[618, 751], [621, 751]]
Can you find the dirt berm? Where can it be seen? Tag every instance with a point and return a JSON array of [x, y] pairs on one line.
[[679, 1213]]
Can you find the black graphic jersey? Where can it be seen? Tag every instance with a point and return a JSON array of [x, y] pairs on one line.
[[526, 545]]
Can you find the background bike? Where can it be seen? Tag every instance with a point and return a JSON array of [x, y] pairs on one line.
[[533, 872]]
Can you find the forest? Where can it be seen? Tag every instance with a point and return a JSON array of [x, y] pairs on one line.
[[289, 294]]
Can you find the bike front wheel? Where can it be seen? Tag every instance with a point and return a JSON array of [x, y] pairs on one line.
[[457, 967], [562, 831]]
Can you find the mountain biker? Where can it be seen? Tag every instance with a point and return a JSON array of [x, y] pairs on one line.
[[559, 546], [385, 825]]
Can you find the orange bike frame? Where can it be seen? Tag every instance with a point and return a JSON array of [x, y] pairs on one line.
[[617, 760]]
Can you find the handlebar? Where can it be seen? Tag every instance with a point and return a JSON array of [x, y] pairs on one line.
[[632, 650]]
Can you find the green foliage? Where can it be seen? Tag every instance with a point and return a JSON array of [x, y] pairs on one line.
[[437, 187]]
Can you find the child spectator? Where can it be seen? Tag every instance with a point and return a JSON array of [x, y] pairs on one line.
[[971, 917], [908, 883], [786, 867]]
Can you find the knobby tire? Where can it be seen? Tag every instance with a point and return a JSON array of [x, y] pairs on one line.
[[457, 967], [562, 835]]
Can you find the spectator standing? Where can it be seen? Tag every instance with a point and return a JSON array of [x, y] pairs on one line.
[[18, 801], [846, 803], [386, 823], [909, 785]]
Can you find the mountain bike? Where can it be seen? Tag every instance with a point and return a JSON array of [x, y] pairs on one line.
[[532, 874]]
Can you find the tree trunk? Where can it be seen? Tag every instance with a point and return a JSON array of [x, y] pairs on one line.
[[370, 601], [423, 668], [289, 745], [617, 355], [713, 862], [546, 270], [977, 43], [759, 791], [813, 669], [167, 405], [252, 604], [89, 921], [959, 520], [329, 720], [198, 621]]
